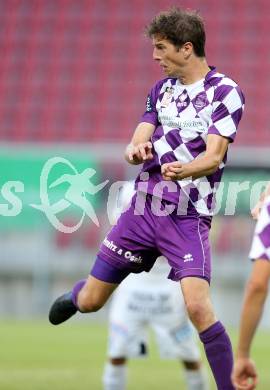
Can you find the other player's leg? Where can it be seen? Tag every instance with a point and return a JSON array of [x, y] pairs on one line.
[[195, 375], [127, 338], [175, 338], [115, 374]]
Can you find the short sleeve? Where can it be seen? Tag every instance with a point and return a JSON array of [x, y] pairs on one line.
[[151, 115], [228, 106], [260, 248]]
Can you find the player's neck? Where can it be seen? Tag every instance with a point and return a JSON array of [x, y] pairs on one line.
[[194, 71]]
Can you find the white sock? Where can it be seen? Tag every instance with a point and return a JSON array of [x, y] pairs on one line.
[[196, 379], [115, 377]]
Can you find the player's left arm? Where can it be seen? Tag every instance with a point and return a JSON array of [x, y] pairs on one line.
[[255, 295], [244, 374], [255, 212], [216, 148]]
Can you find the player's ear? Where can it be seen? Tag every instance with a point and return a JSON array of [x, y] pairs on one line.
[[187, 49]]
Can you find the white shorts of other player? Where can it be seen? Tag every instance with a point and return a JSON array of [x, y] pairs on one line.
[[150, 300]]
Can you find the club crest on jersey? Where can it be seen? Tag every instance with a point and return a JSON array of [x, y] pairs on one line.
[[200, 101], [167, 97]]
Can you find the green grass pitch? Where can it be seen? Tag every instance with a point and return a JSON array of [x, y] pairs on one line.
[[38, 356]]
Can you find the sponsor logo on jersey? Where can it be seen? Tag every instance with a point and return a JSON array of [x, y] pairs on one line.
[[176, 122]]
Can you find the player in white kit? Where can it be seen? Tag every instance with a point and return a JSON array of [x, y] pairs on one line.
[[144, 301]]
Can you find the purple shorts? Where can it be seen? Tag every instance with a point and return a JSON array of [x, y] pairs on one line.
[[136, 241]]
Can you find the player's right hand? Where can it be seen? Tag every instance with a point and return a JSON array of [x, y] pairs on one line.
[[139, 153], [244, 375]]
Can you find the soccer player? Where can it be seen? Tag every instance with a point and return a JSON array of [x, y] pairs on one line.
[[143, 301], [244, 373], [182, 140]]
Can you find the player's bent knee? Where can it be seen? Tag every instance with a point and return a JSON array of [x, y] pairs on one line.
[[89, 304], [89, 307]]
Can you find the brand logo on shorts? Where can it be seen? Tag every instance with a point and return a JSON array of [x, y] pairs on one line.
[[188, 257]]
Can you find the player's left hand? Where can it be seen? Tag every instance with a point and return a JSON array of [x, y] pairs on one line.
[[244, 376], [173, 171], [255, 212]]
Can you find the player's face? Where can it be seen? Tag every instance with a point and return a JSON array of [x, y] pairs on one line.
[[170, 57]]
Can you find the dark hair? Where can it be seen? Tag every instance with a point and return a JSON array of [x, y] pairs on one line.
[[179, 26]]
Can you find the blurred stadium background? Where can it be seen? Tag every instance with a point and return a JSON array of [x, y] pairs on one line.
[[74, 76]]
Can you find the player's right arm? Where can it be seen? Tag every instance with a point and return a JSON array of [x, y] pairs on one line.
[[140, 148]]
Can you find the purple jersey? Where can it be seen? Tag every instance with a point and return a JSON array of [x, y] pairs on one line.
[[184, 115]]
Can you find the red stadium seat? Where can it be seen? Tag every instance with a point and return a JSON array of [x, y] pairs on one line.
[[80, 71]]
